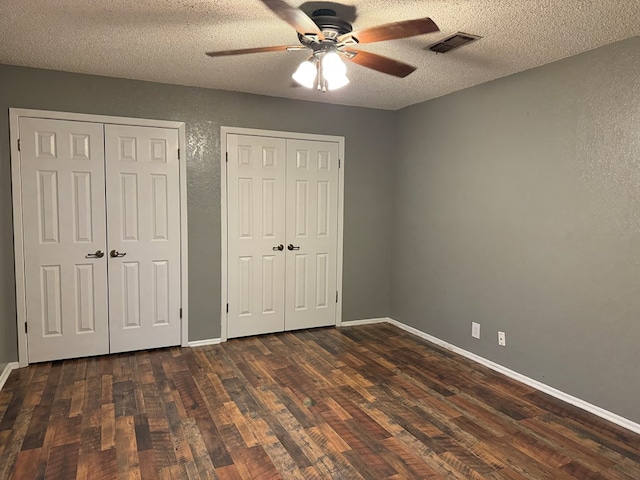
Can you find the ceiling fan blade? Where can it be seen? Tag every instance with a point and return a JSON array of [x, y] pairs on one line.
[[226, 53], [381, 64], [391, 31], [294, 17]]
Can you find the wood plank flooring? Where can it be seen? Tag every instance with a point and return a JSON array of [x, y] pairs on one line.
[[368, 402]]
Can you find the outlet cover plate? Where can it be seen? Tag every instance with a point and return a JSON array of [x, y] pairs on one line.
[[475, 330], [502, 339]]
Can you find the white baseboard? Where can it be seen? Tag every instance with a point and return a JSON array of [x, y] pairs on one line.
[[366, 321], [554, 392], [202, 343], [5, 373]]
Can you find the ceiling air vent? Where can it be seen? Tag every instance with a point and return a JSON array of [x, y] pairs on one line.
[[454, 41]]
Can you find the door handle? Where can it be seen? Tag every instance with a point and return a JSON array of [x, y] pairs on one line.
[[279, 248], [115, 253], [291, 247], [98, 254]]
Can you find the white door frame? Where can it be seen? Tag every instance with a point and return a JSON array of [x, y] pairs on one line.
[[14, 132], [223, 208]]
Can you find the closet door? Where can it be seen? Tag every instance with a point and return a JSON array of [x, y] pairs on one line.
[[256, 234], [143, 212], [312, 234], [64, 239]]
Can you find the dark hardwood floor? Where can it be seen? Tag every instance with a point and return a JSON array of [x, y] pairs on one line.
[[367, 402]]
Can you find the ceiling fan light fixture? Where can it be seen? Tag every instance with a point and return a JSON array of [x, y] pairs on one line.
[[337, 82], [334, 71], [332, 65], [306, 73]]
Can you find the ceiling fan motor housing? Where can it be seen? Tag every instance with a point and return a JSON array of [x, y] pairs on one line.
[[330, 25]]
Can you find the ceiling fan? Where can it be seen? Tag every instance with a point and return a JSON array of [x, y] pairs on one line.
[[329, 38]]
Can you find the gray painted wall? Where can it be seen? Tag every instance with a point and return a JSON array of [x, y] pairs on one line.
[[517, 205], [367, 177]]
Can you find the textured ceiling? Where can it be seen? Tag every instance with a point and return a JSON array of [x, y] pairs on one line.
[[165, 41]]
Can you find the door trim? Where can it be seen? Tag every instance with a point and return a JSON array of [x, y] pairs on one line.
[[14, 134], [224, 131]]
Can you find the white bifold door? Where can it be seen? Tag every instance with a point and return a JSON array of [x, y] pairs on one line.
[[101, 237], [282, 234]]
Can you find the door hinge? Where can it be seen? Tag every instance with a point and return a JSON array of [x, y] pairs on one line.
[[227, 308], [25, 327], [178, 154], [336, 296], [181, 313], [18, 144], [339, 163], [226, 156]]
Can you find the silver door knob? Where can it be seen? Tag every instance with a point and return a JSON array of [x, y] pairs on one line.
[[291, 247], [98, 254], [116, 253], [279, 248]]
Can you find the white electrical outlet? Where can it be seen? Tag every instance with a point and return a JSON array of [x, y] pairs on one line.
[[475, 330], [502, 339]]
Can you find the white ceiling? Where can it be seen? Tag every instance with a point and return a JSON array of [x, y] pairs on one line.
[[166, 40]]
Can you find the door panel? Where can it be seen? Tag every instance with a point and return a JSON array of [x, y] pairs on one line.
[[62, 174], [312, 222], [143, 205], [256, 213]]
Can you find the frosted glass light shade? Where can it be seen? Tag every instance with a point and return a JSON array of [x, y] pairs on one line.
[[337, 82], [306, 73], [334, 71], [332, 65]]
